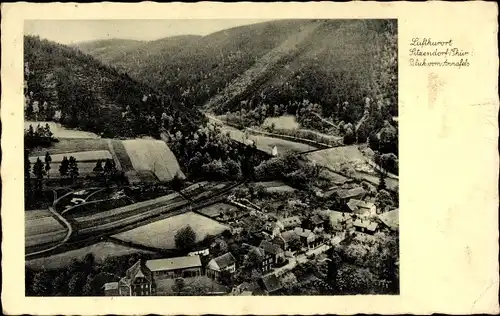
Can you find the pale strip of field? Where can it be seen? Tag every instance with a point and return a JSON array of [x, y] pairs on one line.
[[153, 155], [45, 238], [60, 131], [41, 222], [265, 143], [34, 214], [282, 122], [101, 251], [109, 223], [161, 234], [42, 225], [332, 156], [131, 207], [79, 156]]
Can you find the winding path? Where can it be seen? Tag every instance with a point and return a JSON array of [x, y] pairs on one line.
[[63, 221]]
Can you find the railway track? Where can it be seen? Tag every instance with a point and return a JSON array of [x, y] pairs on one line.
[[77, 238]]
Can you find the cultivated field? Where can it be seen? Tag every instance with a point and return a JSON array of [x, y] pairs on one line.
[[42, 229], [101, 251], [124, 215], [333, 156], [215, 209], [121, 154], [275, 186], [93, 156], [282, 122], [71, 145], [266, 143], [61, 132], [161, 234], [153, 155]]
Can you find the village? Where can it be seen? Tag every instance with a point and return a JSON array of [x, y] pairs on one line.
[[268, 247]]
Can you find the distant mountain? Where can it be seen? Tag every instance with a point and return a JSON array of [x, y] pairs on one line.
[[63, 84], [328, 62]]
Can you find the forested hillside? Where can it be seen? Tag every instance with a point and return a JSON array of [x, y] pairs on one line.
[[340, 73], [63, 84]]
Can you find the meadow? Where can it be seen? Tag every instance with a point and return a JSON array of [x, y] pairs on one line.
[[161, 234]]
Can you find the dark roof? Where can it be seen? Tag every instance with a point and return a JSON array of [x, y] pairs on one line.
[[271, 282], [344, 194], [138, 269], [225, 260], [257, 251], [270, 247], [316, 219]]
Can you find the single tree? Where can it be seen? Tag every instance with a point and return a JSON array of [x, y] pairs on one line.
[[177, 183], [48, 160], [178, 286], [63, 167], [382, 185], [73, 168], [39, 173], [185, 238], [98, 167]]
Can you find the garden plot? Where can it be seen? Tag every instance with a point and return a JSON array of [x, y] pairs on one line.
[[275, 186], [71, 145], [40, 227], [288, 122], [74, 198], [153, 155], [161, 234], [333, 157], [101, 251]]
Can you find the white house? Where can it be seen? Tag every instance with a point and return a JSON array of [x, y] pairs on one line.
[[216, 266]]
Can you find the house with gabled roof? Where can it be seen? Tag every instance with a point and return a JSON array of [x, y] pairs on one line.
[[273, 253], [271, 283], [365, 226], [343, 196], [138, 281], [361, 207], [390, 219], [307, 237], [170, 268], [224, 263]]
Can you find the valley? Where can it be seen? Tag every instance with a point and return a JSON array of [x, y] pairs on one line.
[[238, 144]]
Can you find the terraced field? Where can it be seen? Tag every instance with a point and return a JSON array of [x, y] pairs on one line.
[[42, 230], [142, 160], [153, 155], [119, 217], [161, 234]]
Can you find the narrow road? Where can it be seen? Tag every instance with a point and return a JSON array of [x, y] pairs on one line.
[[63, 221]]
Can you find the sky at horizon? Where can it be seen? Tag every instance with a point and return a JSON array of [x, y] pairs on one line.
[[75, 31]]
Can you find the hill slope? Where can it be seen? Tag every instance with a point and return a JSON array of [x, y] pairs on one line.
[[68, 86], [325, 61]]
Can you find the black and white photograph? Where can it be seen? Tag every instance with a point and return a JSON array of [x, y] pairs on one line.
[[211, 157]]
